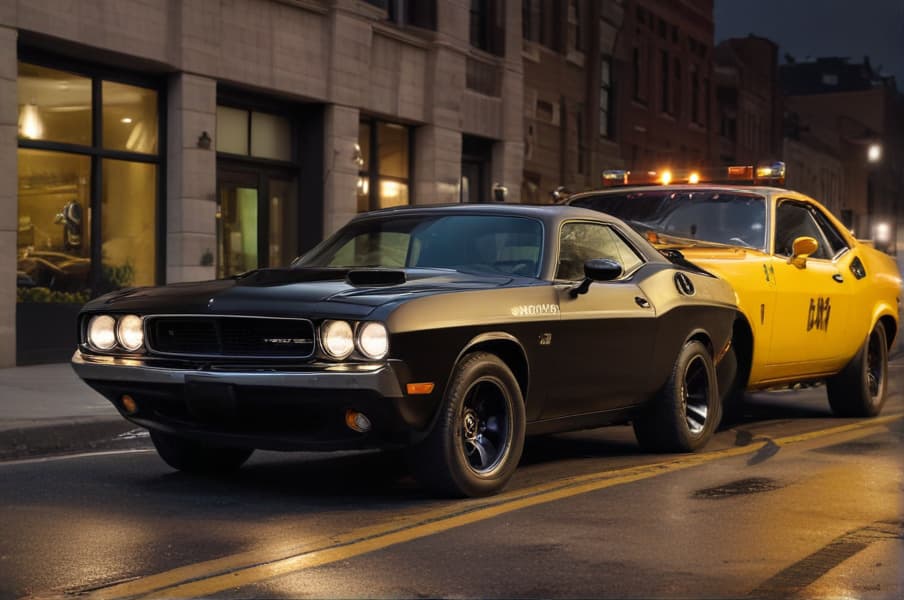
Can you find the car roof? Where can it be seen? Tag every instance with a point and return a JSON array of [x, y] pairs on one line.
[[555, 212]]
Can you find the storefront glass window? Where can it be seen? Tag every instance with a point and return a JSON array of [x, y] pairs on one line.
[[283, 240], [54, 230], [232, 130], [53, 105], [130, 118], [128, 244], [271, 137], [388, 154]]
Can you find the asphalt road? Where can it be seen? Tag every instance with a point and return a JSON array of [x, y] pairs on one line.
[[788, 502]]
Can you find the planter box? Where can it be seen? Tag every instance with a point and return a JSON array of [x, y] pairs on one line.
[[46, 332]]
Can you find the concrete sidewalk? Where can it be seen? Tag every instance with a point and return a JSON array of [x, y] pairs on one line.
[[47, 409]]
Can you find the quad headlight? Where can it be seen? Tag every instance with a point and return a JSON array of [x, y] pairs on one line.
[[105, 332], [130, 332], [373, 340], [339, 339], [102, 332]]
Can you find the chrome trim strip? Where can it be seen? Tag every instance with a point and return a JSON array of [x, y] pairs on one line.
[[378, 378]]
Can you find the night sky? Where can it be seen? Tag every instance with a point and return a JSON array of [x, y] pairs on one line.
[[819, 28]]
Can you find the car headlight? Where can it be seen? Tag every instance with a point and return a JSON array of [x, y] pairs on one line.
[[130, 332], [102, 332], [337, 338], [373, 340]]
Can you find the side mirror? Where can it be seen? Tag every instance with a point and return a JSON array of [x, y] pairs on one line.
[[597, 269], [802, 247], [602, 269]]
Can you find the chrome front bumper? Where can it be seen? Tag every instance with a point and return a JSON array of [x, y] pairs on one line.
[[381, 378]]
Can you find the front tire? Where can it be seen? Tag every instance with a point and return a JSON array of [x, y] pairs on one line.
[[193, 457], [859, 390], [477, 441], [686, 411]]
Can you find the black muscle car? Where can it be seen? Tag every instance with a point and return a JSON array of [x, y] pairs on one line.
[[450, 331]]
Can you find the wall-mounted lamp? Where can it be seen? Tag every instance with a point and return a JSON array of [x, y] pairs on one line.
[[204, 141], [500, 192], [357, 156]]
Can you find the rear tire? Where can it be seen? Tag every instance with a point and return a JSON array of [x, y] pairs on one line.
[[476, 443], [686, 411], [194, 457], [860, 389]]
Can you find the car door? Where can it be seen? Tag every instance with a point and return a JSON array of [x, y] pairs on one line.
[[813, 296], [604, 334]]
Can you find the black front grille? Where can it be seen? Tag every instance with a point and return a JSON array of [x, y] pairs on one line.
[[237, 337]]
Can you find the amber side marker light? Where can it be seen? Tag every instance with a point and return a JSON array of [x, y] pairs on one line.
[[357, 421], [415, 389], [129, 404]]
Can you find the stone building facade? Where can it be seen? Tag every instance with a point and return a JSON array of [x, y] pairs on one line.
[[146, 141]]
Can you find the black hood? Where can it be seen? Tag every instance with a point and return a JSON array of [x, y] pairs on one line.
[[299, 292]]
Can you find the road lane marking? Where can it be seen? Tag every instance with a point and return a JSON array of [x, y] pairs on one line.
[[46, 459], [247, 568]]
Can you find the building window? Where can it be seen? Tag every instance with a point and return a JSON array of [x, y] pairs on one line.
[[676, 95], [384, 172], [636, 74], [581, 143], [540, 23], [487, 26], [695, 95], [530, 20], [414, 13], [62, 191], [666, 98], [88, 198], [606, 97], [252, 133], [576, 25]]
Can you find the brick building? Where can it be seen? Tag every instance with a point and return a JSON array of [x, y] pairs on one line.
[[748, 100], [569, 127], [664, 84], [146, 141], [849, 109]]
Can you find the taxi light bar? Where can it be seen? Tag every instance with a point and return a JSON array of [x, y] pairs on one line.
[[771, 174]]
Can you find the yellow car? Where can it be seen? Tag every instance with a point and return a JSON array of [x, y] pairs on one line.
[[815, 303]]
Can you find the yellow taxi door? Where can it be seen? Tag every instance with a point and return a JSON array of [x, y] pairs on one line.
[[812, 300]]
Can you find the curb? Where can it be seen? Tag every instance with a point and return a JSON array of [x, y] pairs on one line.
[[69, 437]]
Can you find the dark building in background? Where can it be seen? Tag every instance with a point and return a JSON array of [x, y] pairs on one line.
[[749, 119], [853, 114], [663, 76], [569, 104]]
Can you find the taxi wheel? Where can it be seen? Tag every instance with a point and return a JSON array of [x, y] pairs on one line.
[[194, 457], [476, 443], [687, 410], [860, 389]]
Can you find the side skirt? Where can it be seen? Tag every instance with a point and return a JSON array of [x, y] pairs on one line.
[[585, 421]]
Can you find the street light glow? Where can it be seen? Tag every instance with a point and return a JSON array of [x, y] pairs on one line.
[[874, 153]]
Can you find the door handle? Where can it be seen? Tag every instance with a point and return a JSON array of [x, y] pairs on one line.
[[837, 277]]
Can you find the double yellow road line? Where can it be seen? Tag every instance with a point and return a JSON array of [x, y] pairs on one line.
[[248, 568]]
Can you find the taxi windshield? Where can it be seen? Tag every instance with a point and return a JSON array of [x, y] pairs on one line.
[[476, 243], [689, 218]]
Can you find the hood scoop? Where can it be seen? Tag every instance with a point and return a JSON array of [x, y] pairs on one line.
[[376, 277]]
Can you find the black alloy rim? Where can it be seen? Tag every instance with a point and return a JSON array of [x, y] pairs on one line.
[[695, 395], [486, 423]]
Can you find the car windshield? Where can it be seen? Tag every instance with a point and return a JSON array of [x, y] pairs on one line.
[[689, 218], [481, 243]]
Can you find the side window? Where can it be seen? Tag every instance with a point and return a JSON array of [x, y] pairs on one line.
[[793, 221], [834, 239], [580, 242]]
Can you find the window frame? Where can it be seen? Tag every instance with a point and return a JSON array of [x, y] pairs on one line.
[[613, 229], [98, 74], [372, 174]]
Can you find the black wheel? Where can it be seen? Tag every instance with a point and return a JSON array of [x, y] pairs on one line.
[[476, 443], [194, 457], [859, 390], [686, 411]]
